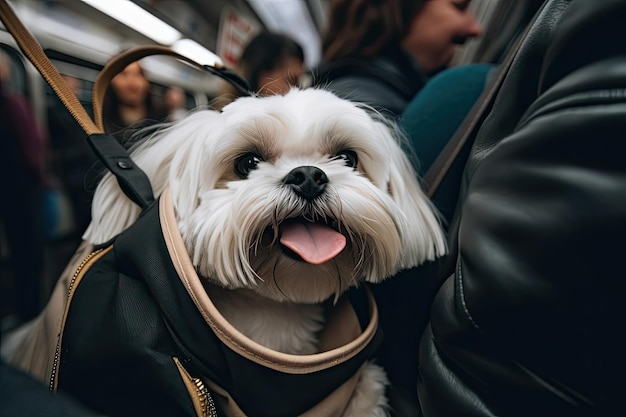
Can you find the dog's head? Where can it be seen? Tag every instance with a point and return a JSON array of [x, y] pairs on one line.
[[297, 197]]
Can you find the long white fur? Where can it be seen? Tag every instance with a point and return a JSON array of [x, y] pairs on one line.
[[223, 219]]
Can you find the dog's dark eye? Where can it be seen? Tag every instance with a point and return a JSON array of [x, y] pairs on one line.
[[349, 157], [246, 163]]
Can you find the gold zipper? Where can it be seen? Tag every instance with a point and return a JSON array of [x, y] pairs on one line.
[[202, 401], [88, 261], [206, 401]]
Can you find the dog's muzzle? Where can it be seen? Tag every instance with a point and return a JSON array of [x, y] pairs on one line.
[[313, 242]]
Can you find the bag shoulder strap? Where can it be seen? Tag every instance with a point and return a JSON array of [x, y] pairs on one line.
[[38, 58], [132, 180], [121, 61]]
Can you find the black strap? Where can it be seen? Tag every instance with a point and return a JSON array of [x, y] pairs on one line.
[[132, 180], [232, 77]]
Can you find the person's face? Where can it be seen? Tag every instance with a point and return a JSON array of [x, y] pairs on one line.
[[174, 98], [131, 86], [437, 29], [280, 79]]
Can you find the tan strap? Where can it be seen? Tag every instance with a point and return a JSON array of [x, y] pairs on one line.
[[118, 63], [31, 48]]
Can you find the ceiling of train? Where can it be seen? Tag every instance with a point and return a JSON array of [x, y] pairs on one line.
[[224, 26], [220, 24]]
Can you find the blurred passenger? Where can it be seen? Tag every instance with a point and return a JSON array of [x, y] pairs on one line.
[[271, 63], [175, 103], [382, 52], [72, 157], [22, 172], [129, 103]]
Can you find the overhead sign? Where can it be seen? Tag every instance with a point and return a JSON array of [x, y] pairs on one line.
[[234, 33]]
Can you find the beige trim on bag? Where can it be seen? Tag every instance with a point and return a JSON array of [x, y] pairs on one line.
[[77, 277], [283, 362]]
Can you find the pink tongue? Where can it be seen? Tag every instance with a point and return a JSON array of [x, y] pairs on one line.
[[315, 243]]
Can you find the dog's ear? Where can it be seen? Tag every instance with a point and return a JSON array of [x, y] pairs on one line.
[[422, 235], [185, 177], [192, 169]]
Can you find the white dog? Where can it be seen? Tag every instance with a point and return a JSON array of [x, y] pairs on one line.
[[284, 202]]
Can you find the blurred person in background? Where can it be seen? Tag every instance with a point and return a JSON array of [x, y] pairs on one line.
[[382, 52], [23, 175], [271, 63], [129, 103], [71, 157], [175, 103]]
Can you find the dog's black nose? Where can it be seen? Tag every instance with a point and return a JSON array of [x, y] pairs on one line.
[[307, 181]]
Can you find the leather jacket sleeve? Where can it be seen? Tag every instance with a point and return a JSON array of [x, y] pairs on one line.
[[529, 323]]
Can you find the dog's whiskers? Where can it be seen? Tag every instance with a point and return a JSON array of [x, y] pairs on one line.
[[359, 246]]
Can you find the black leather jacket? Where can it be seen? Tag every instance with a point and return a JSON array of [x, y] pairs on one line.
[[387, 81], [530, 321]]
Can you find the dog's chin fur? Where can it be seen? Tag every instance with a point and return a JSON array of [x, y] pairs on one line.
[[231, 223]]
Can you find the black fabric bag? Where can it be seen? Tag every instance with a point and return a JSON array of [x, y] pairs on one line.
[[138, 339]]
